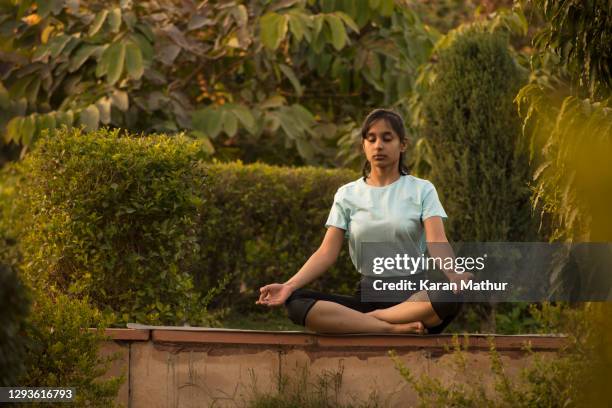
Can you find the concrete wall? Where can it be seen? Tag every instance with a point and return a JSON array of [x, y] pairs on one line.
[[222, 368]]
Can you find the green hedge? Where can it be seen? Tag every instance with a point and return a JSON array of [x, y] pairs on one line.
[[263, 222], [114, 218], [146, 228]]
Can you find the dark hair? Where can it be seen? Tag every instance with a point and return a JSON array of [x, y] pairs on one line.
[[394, 120]]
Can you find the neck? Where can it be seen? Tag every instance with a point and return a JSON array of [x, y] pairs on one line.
[[383, 176]]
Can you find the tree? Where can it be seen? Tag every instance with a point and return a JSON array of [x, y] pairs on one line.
[[236, 75]]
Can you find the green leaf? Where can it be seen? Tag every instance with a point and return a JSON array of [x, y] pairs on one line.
[[304, 148], [387, 7], [245, 117], [133, 61], [120, 100], [274, 101], [292, 78], [303, 116], [230, 124], [13, 128], [104, 107], [114, 20], [337, 30], [374, 4], [273, 28], [208, 121], [145, 48], [115, 56], [64, 118], [18, 89], [297, 25], [97, 22], [290, 125], [90, 117], [57, 44], [348, 21], [28, 127], [45, 122], [32, 91], [82, 54], [103, 63], [206, 143]]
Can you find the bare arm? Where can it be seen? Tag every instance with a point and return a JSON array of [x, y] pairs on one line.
[[276, 294], [321, 260], [438, 246]]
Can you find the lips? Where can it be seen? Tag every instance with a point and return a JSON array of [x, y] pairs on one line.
[[379, 157]]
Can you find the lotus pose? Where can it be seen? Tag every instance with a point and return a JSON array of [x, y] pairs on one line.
[[386, 204]]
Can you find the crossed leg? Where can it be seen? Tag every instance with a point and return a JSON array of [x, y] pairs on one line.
[[417, 308], [331, 317]]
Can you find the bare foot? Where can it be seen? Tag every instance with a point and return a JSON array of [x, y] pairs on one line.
[[413, 327]]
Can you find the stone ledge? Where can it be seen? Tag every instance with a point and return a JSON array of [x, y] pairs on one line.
[[440, 342]]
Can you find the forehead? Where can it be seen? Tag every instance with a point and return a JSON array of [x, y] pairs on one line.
[[380, 126]]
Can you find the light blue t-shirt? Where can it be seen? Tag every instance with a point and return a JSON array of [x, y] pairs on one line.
[[392, 213]]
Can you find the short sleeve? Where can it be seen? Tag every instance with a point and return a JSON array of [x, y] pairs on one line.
[[431, 205], [337, 215]]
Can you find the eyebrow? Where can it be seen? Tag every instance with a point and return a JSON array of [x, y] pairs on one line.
[[386, 132]]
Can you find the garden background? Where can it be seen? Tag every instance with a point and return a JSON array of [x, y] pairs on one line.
[[163, 160]]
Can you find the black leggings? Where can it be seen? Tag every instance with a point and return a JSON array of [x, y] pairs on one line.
[[445, 304]]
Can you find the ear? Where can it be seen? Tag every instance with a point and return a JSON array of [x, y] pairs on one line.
[[404, 145]]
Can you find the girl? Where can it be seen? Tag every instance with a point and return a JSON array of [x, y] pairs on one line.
[[385, 202]]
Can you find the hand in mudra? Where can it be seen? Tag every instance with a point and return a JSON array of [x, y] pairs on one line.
[[274, 294]]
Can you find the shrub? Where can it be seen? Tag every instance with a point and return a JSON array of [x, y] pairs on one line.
[[14, 304], [577, 376], [301, 389], [145, 228], [261, 223], [114, 218], [62, 352], [473, 130]]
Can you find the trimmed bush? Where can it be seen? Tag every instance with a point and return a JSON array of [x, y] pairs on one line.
[[115, 218], [473, 128], [146, 229], [14, 304], [62, 352], [261, 223]]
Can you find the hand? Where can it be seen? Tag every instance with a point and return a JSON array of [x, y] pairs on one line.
[[274, 294], [458, 278]]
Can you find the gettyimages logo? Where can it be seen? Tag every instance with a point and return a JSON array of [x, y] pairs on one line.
[[412, 265]]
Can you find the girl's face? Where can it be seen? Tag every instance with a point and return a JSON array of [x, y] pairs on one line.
[[382, 146]]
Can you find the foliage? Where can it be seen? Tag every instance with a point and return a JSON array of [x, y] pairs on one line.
[[261, 223], [146, 229], [14, 304], [579, 34], [236, 75], [577, 376], [114, 218], [570, 143], [473, 130], [62, 352], [300, 390], [569, 136]]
